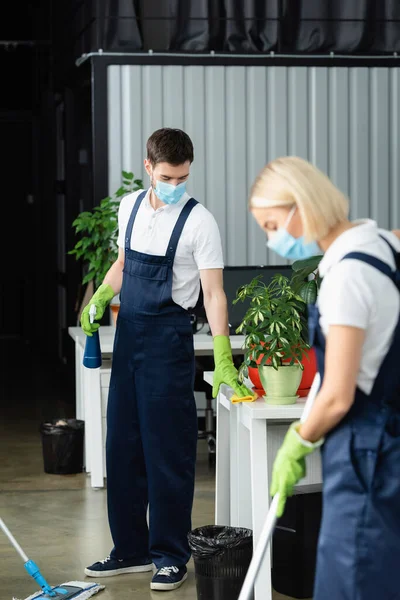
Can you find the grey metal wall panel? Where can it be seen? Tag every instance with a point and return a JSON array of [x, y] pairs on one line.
[[132, 121], [298, 100], [394, 102], [257, 144], [235, 160], [359, 142], [116, 137], [338, 128], [380, 146], [345, 120], [215, 143], [194, 103]]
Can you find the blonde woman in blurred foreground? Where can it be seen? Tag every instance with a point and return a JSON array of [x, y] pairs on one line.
[[355, 329]]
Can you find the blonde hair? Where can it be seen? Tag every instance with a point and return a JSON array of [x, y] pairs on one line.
[[291, 180]]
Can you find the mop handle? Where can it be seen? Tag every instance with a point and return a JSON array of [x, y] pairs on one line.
[[261, 548], [314, 389], [270, 522], [31, 567], [13, 541]]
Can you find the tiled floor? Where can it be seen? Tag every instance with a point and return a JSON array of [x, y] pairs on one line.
[[59, 520]]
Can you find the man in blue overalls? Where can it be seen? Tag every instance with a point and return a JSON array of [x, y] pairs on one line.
[[168, 242]]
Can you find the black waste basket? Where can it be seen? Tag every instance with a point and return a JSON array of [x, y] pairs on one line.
[[294, 543], [221, 556], [62, 443]]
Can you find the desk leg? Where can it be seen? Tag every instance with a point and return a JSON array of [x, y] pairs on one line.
[[233, 468], [260, 501], [79, 408], [80, 398], [85, 395], [243, 470], [222, 483], [93, 425]]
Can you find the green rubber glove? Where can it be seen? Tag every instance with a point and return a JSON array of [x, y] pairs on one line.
[[225, 370], [101, 299], [290, 465]]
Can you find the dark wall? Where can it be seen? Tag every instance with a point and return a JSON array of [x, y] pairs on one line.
[[27, 299], [247, 26]]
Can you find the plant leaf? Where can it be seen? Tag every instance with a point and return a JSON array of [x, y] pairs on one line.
[[309, 292], [308, 263]]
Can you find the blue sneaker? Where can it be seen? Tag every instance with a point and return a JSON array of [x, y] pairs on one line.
[[168, 578], [114, 566]]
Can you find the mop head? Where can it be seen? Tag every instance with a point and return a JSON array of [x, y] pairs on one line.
[[83, 590]]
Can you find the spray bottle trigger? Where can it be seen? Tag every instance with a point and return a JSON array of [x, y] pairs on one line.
[[92, 312]]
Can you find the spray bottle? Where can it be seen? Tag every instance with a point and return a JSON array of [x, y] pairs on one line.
[[92, 354]]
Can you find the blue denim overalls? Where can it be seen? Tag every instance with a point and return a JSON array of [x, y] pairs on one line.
[[359, 543], [151, 415]]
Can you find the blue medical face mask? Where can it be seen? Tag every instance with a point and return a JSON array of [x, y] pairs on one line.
[[287, 246], [168, 193]]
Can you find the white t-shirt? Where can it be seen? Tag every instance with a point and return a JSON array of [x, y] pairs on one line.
[[199, 246], [356, 294]]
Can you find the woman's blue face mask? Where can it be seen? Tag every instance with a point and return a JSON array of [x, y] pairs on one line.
[[287, 246]]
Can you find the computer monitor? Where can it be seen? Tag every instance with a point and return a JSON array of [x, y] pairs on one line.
[[235, 277]]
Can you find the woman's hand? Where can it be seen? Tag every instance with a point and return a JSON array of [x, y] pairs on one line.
[[290, 465]]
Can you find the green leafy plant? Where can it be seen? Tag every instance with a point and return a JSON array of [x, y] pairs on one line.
[[98, 231], [272, 325], [301, 283]]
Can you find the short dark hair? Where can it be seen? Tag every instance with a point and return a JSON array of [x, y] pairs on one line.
[[172, 146]]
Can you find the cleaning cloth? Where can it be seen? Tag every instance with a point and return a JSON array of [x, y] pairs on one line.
[[235, 399]]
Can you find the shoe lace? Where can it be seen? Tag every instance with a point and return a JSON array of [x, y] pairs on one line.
[[167, 571], [103, 562]]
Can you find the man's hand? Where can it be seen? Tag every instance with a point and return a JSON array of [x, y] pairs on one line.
[[225, 370], [101, 299]]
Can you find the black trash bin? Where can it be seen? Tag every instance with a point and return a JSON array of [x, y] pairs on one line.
[[222, 556], [294, 543], [62, 443]]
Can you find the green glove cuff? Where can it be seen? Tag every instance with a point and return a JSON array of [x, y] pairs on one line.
[[298, 446], [222, 348], [104, 294]]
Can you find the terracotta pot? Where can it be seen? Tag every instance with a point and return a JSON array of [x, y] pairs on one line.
[[114, 312], [309, 362], [255, 379]]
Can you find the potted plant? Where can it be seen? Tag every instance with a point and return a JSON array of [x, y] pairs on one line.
[[306, 283], [306, 280], [274, 343], [98, 231]]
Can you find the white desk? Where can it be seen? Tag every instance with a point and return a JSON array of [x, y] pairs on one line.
[[91, 408], [248, 438]]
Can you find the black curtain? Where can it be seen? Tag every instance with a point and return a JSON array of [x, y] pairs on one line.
[[341, 26], [250, 26]]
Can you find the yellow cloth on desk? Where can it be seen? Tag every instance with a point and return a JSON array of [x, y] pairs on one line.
[[235, 399]]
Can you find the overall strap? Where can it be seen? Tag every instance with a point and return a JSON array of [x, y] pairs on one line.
[[129, 227], [396, 256], [176, 234], [386, 387], [373, 262]]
